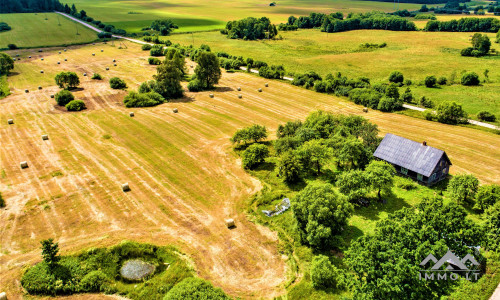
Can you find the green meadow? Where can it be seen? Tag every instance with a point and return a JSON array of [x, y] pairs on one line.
[[193, 15], [42, 30], [415, 54]]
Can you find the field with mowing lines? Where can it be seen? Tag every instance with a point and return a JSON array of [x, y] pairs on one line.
[[184, 176], [192, 15], [415, 54], [32, 30]]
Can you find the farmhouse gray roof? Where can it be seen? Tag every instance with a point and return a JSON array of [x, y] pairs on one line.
[[409, 154]]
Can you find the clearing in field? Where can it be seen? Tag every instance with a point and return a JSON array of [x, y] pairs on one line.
[[415, 54], [184, 177], [42, 29], [192, 15]]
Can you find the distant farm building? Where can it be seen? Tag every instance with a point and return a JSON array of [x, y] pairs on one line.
[[418, 161]]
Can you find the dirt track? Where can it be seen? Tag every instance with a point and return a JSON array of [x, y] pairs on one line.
[[184, 178]]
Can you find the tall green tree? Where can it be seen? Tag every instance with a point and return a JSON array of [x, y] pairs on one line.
[[353, 153], [254, 155], [486, 196], [463, 188], [168, 80], [451, 113], [6, 64], [492, 227], [321, 214], [49, 252], [289, 167], [380, 175], [208, 70], [353, 184], [67, 80], [323, 273], [315, 154]]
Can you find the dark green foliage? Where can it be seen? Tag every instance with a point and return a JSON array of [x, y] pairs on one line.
[[481, 45], [470, 79], [97, 76], [6, 64], [463, 188], [290, 168], [250, 29], [154, 61], [95, 282], [64, 97], [498, 36], [156, 50], [164, 27], [486, 196], [272, 72], [430, 81], [67, 80], [313, 154], [407, 96], [208, 70], [194, 289], [465, 25], [195, 86], [146, 47], [392, 91], [168, 79], [104, 35], [396, 77], [12, 46], [148, 86], [386, 264], [370, 20], [16, 6], [389, 104], [253, 133], [321, 214], [486, 116], [353, 184], [323, 273], [76, 105], [289, 129], [492, 227], [313, 20], [117, 83], [49, 252], [426, 102], [442, 80], [4, 27], [134, 99], [308, 79], [2, 201], [379, 175], [254, 155], [451, 113]]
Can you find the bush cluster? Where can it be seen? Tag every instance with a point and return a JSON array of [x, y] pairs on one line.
[[76, 105], [117, 83], [134, 99]]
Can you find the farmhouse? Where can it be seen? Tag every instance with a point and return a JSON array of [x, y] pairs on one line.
[[418, 161]]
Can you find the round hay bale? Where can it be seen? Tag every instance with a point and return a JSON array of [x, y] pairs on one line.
[[229, 223], [3, 296], [40, 50], [65, 50], [52, 96], [39, 87], [102, 50], [260, 90], [58, 62], [26, 91], [14, 59], [24, 164], [29, 56], [107, 69], [175, 110], [211, 95], [125, 187], [41, 58], [10, 121], [267, 84], [17, 55], [115, 65], [239, 89], [114, 60], [240, 96], [192, 66], [84, 74], [93, 54], [365, 109], [45, 137], [132, 114], [59, 52], [65, 59], [41, 71]]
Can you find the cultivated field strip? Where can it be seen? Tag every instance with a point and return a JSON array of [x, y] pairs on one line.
[[183, 174]]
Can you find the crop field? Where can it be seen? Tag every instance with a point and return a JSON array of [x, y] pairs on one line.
[[412, 53], [185, 178], [33, 30], [193, 15]]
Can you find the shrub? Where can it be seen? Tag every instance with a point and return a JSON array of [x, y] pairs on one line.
[[469, 79], [426, 102], [486, 116], [430, 81], [117, 84], [195, 288], [156, 50], [429, 115], [97, 76], [154, 61], [467, 51], [104, 35], [148, 86], [442, 80], [146, 47], [408, 82], [487, 195], [406, 184], [253, 155], [396, 77], [323, 273], [12, 46], [134, 99], [451, 113], [64, 97], [195, 86], [389, 104], [2, 202], [94, 281], [66, 80], [76, 105]]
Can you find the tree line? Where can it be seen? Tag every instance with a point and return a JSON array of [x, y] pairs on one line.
[[370, 20], [30, 6], [250, 29], [465, 25]]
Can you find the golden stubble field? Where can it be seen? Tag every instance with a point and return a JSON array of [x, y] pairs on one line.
[[183, 174]]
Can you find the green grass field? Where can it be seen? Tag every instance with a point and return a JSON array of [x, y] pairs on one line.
[[193, 15], [416, 54], [33, 30]]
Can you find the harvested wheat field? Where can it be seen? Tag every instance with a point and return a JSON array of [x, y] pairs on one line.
[[184, 178]]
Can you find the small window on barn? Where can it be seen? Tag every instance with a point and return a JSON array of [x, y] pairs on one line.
[[433, 177], [445, 171], [420, 177], [404, 171]]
